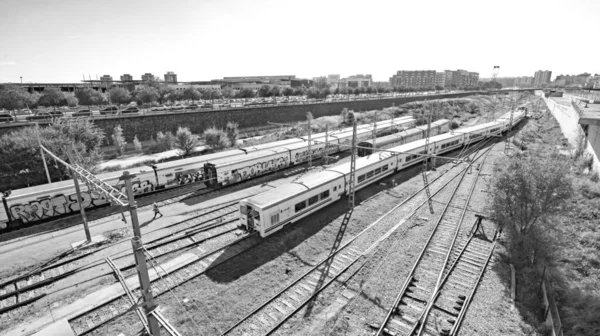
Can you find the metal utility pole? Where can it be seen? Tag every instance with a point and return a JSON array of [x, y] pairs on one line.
[[308, 117], [115, 197], [510, 122], [42, 152], [140, 258], [86, 228], [77, 191], [326, 153], [375, 132], [351, 185], [425, 181]]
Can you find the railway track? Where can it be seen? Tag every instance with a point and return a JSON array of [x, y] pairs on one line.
[[420, 296], [204, 229], [268, 317]]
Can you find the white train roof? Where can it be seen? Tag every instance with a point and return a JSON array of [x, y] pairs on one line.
[[243, 158], [198, 159], [53, 188], [344, 168], [289, 190]]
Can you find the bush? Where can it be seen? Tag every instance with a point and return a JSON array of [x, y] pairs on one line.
[[185, 140], [216, 138], [232, 132], [137, 144], [119, 139], [454, 124], [165, 141]]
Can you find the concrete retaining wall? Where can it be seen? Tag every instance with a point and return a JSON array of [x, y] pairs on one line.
[[568, 119], [145, 126]]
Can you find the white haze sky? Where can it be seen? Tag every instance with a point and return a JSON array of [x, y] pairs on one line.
[[60, 40]]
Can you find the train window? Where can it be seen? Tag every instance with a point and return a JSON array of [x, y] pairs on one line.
[[313, 200], [370, 174], [274, 219], [361, 178], [384, 168], [243, 210], [377, 171], [325, 194], [300, 206]]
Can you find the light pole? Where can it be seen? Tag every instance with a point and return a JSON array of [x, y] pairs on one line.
[[21, 79]]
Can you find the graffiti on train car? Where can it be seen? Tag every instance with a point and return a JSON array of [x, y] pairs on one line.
[[257, 168], [61, 204], [188, 176]]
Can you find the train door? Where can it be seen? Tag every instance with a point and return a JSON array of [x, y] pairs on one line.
[[250, 218], [210, 175]]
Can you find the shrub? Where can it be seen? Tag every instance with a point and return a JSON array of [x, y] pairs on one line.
[[232, 132], [454, 124], [119, 139], [137, 144], [216, 138], [185, 140], [165, 141]]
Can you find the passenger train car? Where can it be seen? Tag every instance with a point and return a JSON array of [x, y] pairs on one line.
[[268, 212], [29, 205], [234, 169], [438, 127]]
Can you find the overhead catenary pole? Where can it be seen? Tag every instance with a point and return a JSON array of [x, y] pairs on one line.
[[42, 152], [308, 117], [352, 169], [140, 258], [86, 228], [375, 131]]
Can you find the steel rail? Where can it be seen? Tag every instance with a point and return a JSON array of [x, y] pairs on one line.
[[204, 256], [409, 278], [441, 276], [301, 277]]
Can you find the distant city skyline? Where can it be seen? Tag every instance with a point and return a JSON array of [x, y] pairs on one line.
[[209, 39]]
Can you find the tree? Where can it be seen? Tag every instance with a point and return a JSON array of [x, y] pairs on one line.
[[191, 93], [185, 140], [232, 132], [216, 138], [89, 97], [275, 91], [529, 189], [14, 98], [21, 163], [71, 100], [120, 96], [52, 98], [166, 141], [165, 92], [246, 93], [136, 143], [264, 91], [119, 140], [175, 95], [288, 91], [227, 92], [146, 95]]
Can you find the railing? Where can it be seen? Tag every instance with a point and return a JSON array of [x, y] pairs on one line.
[[550, 314]]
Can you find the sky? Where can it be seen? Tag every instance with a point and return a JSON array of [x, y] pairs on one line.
[[60, 41]]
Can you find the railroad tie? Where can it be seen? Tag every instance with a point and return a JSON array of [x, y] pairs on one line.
[[264, 320], [281, 310]]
